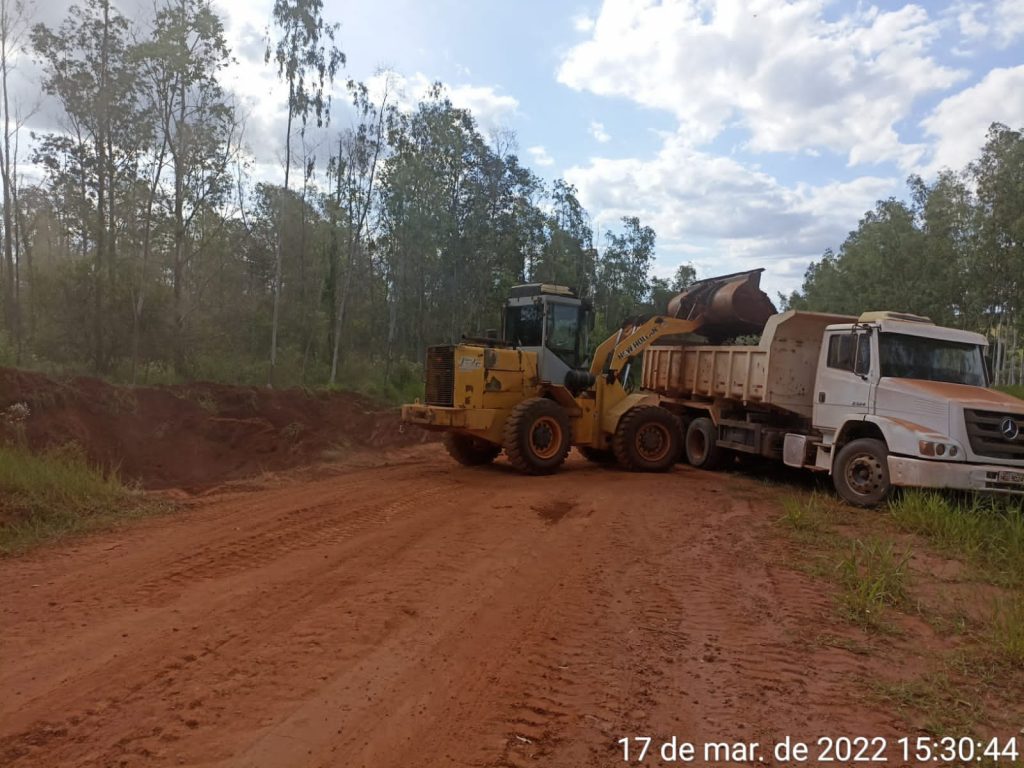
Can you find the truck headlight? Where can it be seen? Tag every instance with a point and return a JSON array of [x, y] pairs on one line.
[[932, 448]]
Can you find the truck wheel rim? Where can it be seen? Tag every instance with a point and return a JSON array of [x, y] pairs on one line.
[[864, 474], [545, 437], [653, 441]]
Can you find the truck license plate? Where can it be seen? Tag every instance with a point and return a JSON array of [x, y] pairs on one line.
[[1011, 477]]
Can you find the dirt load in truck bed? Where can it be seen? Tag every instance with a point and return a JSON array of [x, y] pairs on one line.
[[195, 435]]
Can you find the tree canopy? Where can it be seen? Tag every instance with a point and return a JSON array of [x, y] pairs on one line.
[[148, 252]]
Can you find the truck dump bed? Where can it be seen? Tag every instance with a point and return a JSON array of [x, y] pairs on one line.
[[778, 372]]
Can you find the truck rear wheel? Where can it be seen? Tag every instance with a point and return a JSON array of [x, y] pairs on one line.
[[647, 439], [471, 451], [860, 472], [537, 436], [702, 449]]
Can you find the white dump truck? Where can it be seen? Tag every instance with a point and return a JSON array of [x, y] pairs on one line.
[[877, 401]]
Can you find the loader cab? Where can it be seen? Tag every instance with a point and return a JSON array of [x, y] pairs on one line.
[[551, 321]]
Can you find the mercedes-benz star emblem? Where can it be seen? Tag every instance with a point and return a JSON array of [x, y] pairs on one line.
[[1009, 428]]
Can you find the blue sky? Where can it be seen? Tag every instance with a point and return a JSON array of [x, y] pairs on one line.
[[748, 133]]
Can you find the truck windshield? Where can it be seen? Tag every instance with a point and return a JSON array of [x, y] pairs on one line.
[[916, 357]]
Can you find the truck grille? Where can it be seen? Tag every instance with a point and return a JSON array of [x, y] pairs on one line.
[[984, 430], [440, 375]]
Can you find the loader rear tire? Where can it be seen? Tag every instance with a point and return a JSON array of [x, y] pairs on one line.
[[536, 436], [647, 439], [471, 451], [702, 450]]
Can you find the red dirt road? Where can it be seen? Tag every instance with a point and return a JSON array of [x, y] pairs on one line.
[[421, 614]]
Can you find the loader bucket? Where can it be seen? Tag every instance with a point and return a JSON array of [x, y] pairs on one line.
[[729, 305]]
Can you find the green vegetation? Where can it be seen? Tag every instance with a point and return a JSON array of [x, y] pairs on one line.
[[874, 575], [805, 513], [56, 494], [868, 557], [952, 252], [1008, 630], [986, 532], [143, 250], [937, 697]]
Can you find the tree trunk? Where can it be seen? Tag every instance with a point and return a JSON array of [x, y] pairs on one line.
[[10, 292], [277, 248]]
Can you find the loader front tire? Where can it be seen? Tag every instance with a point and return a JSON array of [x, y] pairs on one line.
[[470, 451], [536, 436], [647, 439]]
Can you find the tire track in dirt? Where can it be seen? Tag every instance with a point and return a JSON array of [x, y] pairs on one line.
[[420, 614]]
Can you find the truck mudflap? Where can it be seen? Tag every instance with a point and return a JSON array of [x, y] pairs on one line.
[[919, 473], [442, 417]]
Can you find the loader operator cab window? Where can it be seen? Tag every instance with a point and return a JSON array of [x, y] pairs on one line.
[[524, 325], [563, 332]]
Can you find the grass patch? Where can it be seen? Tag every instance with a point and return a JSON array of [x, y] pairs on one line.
[[935, 698], [873, 576], [44, 497], [986, 532], [804, 513], [1007, 630]]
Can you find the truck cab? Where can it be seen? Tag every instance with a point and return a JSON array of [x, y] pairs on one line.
[[900, 401]]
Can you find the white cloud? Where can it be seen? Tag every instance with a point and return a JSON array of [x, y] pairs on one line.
[[792, 78], [490, 108], [583, 23], [540, 156], [599, 133], [959, 123], [997, 23], [724, 215], [487, 105]]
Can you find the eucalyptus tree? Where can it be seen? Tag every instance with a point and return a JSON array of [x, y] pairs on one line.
[[196, 126], [88, 68], [307, 60], [14, 23], [623, 271], [355, 172]]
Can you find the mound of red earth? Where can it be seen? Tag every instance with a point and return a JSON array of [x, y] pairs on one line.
[[200, 434]]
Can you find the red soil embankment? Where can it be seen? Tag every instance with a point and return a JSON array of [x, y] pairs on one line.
[[199, 434]]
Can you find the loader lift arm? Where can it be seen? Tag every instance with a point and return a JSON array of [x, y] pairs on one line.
[[613, 356]]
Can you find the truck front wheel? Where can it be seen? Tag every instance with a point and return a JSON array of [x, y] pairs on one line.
[[702, 449], [860, 472], [471, 451], [536, 436]]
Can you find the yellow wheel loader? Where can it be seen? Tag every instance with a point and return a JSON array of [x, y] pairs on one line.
[[532, 393]]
